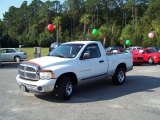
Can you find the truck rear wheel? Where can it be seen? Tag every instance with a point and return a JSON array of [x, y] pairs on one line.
[[119, 76], [65, 88]]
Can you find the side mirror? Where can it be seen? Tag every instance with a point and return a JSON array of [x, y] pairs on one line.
[[86, 56]]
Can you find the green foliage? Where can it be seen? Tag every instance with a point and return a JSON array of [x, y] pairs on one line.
[[127, 33], [57, 23], [116, 21], [85, 20]]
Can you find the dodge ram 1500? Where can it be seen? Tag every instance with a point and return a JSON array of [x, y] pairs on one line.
[[69, 64]]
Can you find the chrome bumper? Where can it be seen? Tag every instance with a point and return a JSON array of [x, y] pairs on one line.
[[41, 86]]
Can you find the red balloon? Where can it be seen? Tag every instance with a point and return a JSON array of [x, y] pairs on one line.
[[50, 27], [151, 35]]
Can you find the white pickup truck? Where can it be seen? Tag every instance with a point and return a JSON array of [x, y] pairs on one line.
[[68, 65]]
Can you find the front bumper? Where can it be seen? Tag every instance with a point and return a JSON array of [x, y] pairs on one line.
[[40, 86]]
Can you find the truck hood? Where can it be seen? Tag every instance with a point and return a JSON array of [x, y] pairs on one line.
[[48, 61]]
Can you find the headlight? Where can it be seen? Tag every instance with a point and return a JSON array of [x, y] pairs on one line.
[[46, 74]]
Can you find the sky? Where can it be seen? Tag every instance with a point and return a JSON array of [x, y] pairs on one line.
[[5, 4]]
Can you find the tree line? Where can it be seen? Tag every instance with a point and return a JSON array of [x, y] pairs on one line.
[[115, 21]]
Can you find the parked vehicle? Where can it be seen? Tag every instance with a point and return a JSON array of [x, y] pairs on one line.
[[137, 57], [68, 65], [134, 48], [11, 54], [151, 56]]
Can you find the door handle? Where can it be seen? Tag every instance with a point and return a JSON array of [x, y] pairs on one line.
[[101, 61]]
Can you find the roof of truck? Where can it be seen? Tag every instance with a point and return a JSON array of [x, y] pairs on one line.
[[83, 42]]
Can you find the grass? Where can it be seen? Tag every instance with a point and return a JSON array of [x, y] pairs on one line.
[[30, 52]]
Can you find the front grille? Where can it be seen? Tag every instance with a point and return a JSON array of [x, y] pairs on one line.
[[21, 67], [30, 69], [28, 72]]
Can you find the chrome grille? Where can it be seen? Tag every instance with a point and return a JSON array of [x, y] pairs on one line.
[[21, 67], [30, 69], [28, 72]]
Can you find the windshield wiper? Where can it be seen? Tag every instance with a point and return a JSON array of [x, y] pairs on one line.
[[61, 56]]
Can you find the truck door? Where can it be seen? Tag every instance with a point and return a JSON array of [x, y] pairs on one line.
[[92, 66]]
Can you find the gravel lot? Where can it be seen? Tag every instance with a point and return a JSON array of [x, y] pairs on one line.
[[137, 99]]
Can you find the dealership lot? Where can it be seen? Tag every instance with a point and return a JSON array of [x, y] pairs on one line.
[[137, 99]]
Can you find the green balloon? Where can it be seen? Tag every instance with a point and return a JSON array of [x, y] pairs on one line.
[[94, 32], [128, 42]]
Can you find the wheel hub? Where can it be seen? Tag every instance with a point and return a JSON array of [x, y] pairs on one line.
[[121, 76], [69, 88]]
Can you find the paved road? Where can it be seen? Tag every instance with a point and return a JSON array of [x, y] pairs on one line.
[[137, 99]]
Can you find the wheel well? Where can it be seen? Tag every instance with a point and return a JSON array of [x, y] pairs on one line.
[[17, 56], [72, 75], [122, 65], [150, 57]]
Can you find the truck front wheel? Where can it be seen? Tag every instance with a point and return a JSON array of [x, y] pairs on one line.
[[65, 88], [119, 76]]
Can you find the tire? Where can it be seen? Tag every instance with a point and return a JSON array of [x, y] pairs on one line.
[[17, 59], [65, 88], [119, 76], [150, 61]]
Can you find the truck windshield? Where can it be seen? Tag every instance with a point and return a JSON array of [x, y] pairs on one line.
[[66, 50]]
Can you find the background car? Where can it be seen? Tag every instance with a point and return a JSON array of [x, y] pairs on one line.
[[137, 57], [150, 55], [12, 54], [134, 48]]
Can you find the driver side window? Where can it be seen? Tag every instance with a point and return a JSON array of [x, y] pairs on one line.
[[92, 50]]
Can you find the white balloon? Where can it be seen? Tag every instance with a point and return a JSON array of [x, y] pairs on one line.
[[151, 35]]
